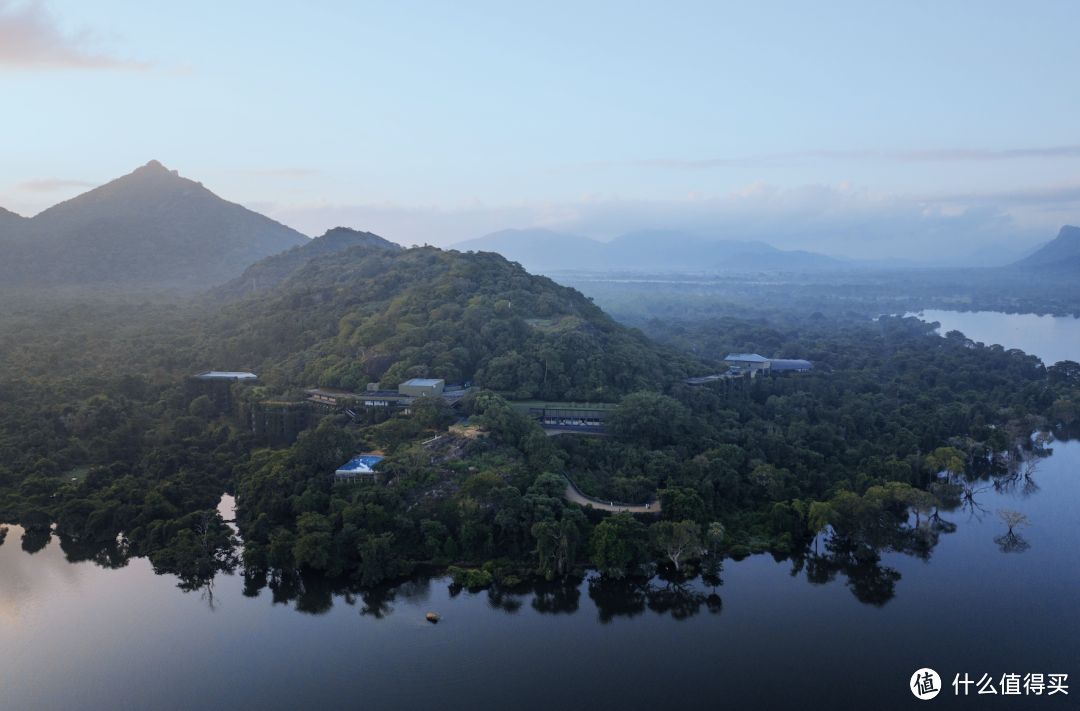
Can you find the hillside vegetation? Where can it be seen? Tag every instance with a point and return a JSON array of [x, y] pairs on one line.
[[100, 434]]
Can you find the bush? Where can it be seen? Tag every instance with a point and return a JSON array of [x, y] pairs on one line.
[[470, 577]]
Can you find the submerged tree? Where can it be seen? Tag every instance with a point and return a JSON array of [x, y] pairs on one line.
[[1013, 519]]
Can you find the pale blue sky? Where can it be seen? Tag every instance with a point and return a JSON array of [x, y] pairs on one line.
[[851, 128]]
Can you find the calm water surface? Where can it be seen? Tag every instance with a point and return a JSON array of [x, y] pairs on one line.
[[1052, 338], [79, 636]]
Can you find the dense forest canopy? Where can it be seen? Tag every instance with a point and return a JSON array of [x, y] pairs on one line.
[[101, 435]]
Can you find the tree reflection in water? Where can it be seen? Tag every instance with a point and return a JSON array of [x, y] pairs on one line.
[[863, 529], [1012, 543], [669, 593], [34, 540], [110, 555]]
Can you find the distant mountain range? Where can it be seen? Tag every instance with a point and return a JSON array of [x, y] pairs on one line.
[[540, 250], [1059, 254], [267, 273], [149, 227]]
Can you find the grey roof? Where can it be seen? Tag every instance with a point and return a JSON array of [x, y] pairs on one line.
[[790, 365], [421, 382], [747, 357], [228, 374]]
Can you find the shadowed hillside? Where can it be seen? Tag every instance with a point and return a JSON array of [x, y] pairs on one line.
[[150, 227], [271, 271], [1063, 252]]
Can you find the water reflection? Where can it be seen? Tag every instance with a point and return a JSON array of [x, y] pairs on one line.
[[631, 597], [110, 555], [1012, 543], [34, 540]]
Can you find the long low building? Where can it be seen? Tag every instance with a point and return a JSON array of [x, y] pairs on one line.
[[752, 364], [217, 385], [583, 415], [796, 366]]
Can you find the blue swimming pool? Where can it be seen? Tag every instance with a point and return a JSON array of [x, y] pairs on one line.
[[359, 464]]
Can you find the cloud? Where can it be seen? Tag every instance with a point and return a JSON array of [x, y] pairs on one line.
[[921, 156], [49, 185], [842, 221], [31, 38]]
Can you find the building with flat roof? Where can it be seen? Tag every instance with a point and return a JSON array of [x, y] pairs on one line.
[[357, 468], [342, 400], [228, 375], [217, 385], [747, 362], [792, 366], [742, 363], [279, 422], [569, 416], [422, 387]]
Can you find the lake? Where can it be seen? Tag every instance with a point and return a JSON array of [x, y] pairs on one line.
[[1052, 338], [78, 635], [807, 632]]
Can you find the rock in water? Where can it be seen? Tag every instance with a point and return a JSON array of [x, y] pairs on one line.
[[432, 617]]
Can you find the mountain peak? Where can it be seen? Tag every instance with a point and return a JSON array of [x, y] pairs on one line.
[[150, 226], [154, 168], [1060, 251]]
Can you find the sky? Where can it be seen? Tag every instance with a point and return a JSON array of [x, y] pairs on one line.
[[910, 129]]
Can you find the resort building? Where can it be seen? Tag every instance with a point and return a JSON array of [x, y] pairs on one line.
[[567, 416], [752, 362], [217, 385], [275, 422], [356, 469], [422, 387]]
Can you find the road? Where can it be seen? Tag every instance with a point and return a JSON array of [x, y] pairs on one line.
[[573, 494]]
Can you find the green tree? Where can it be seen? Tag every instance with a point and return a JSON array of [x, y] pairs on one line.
[[202, 406], [716, 534], [312, 547], [377, 561], [556, 543], [678, 503], [678, 541], [618, 544], [652, 419]]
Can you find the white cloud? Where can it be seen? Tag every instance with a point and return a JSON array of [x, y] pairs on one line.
[[31, 38], [844, 221], [918, 156]]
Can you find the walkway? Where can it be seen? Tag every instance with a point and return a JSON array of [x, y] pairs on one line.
[[574, 494]]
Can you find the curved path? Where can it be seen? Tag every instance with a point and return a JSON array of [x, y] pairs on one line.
[[574, 494]]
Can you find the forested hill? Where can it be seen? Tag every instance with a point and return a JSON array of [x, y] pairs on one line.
[[101, 435], [363, 315], [150, 227], [267, 273]]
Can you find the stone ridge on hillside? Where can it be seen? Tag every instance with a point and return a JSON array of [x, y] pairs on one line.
[[267, 273], [150, 227]]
